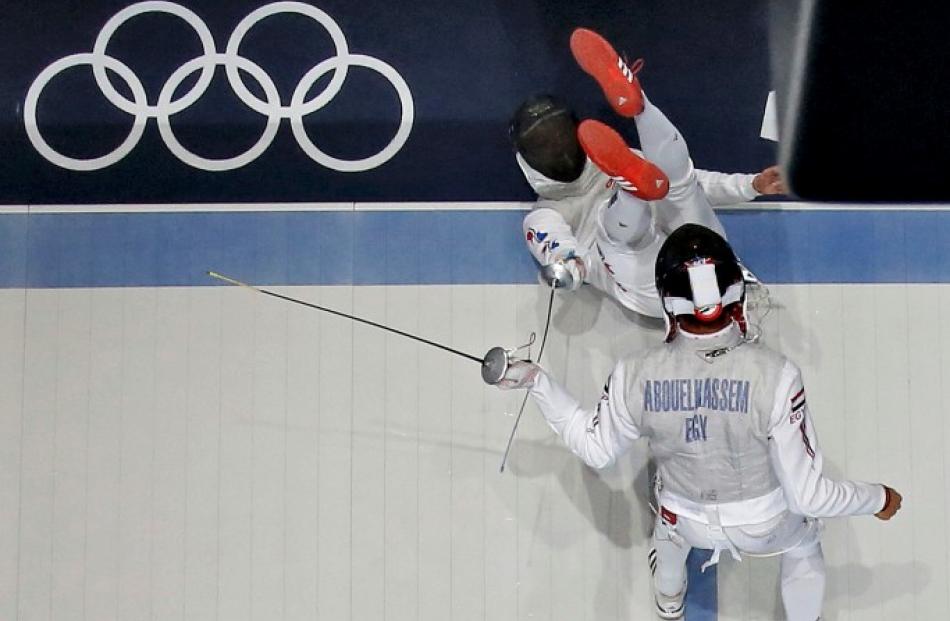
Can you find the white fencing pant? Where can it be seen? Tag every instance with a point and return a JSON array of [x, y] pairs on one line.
[[622, 261], [797, 539]]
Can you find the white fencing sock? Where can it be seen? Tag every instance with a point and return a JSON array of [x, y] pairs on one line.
[[662, 144]]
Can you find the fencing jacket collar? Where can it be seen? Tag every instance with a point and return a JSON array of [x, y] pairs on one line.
[[550, 189], [714, 344]]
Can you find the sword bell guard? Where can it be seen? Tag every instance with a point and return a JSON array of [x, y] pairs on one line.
[[557, 275], [495, 365]]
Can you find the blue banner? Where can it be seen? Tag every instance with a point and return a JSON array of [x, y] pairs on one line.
[[329, 100]]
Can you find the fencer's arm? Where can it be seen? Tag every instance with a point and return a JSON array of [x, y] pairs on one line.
[[726, 189], [548, 235], [798, 460], [597, 436]]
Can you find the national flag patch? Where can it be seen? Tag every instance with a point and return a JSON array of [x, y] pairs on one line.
[[798, 401]]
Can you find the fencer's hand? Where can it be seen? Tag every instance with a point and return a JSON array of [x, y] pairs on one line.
[[769, 181], [520, 374], [578, 270], [892, 504]]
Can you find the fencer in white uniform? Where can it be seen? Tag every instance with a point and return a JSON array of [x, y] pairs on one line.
[[727, 422], [605, 231]]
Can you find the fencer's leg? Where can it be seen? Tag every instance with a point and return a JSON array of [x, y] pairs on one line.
[[803, 582], [628, 221], [662, 143], [664, 146], [668, 562]]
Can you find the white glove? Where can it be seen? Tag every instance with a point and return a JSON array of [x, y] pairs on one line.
[[575, 265], [520, 374]]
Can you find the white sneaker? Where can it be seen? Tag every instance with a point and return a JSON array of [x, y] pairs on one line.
[[670, 607]]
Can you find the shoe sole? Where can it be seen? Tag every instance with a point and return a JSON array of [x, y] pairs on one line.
[[607, 149], [669, 616], [599, 60]]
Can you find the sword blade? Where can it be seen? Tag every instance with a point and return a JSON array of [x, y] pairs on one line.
[[287, 298]]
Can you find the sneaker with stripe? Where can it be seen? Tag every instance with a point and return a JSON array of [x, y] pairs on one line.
[[608, 151], [618, 80]]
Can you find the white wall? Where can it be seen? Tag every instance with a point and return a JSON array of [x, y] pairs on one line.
[[207, 453]]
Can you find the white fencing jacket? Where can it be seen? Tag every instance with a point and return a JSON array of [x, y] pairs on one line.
[[731, 434]]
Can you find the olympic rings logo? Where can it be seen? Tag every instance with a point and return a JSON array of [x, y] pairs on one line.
[[168, 105]]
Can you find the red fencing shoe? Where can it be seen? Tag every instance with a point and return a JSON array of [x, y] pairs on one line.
[[607, 149], [618, 81]]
